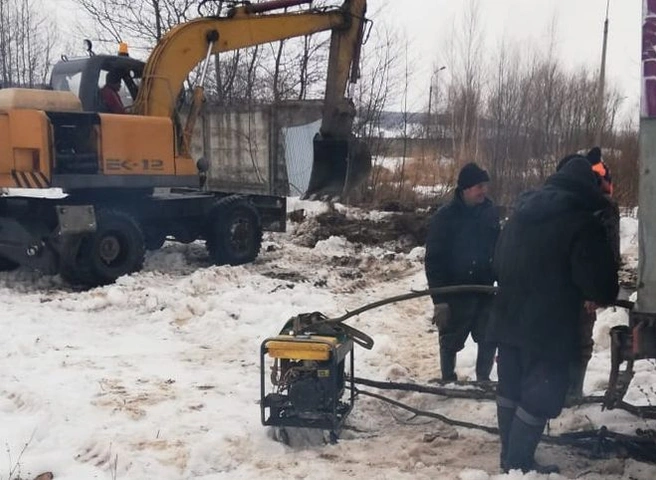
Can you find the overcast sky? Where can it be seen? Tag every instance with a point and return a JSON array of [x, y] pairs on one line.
[[579, 33]]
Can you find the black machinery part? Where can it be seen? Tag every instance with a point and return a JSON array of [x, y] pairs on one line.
[[308, 394], [234, 236]]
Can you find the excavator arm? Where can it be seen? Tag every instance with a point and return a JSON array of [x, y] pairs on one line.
[[340, 161]]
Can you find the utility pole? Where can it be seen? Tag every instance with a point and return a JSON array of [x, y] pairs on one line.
[[602, 80], [436, 74]]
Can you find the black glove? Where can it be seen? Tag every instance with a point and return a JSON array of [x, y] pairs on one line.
[[441, 315]]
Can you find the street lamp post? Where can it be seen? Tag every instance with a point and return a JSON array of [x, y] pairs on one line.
[[602, 81], [436, 73]]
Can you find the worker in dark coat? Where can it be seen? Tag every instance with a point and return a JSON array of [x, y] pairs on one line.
[[459, 249], [610, 219], [552, 256]]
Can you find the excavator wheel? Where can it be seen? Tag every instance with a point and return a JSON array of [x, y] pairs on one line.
[[235, 232], [7, 265], [116, 248]]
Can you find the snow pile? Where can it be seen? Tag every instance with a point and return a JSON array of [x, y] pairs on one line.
[[629, 241], [311, 208], [35, 192]]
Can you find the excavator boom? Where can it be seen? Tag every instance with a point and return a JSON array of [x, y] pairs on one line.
[[183, 47], [340, 161]]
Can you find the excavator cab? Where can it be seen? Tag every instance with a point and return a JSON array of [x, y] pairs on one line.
[[85, 77]]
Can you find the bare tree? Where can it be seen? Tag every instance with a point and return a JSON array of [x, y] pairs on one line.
[[467, 68], [380, 85], [623, 160], [27, 37], [313, 60], [292, 71], [144, 22]]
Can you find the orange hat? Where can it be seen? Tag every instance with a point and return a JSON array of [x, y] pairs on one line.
[[605, 180]]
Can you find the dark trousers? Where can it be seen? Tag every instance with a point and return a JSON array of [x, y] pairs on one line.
[[469, 315], [536, 384]]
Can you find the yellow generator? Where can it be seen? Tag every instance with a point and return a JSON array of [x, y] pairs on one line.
[[307, 385], [108, 165]]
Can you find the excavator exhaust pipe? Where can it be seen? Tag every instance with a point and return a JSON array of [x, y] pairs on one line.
[[339, 166]]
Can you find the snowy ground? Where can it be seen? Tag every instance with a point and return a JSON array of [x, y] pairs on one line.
[[157, 376]]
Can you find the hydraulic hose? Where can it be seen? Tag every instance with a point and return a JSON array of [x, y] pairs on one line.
[[367, 342]]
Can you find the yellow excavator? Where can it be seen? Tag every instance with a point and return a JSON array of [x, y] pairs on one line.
[[109, 165]]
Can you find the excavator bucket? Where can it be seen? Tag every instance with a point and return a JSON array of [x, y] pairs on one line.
[[338, 167]]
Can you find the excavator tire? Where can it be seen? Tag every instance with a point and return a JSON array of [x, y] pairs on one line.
[[7, 265], [116, 248], [235, 232]]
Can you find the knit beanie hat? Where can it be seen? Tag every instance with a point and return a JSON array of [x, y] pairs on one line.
[[470, 175], [576, 170], [599, 167], [594, 155]]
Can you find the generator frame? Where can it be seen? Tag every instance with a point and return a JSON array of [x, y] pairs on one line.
[[281, 410]]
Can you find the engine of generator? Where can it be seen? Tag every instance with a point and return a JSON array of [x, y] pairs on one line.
[[307, 386]]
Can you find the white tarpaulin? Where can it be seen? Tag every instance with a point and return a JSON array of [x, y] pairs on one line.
[[299, 154]]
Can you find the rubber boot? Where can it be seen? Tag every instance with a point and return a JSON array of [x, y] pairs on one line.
[[525, 434], [485, 361], [577, 371], [448, 365], [505, 414]]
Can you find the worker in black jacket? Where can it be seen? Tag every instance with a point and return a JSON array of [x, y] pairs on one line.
[[459, 249], [552, 256], [610, 219]]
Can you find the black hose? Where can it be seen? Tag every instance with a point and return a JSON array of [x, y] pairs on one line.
[[367, 342], [423, 413], [487, 391], [628, 304], [450, 290], [471, 390], [455, 289]]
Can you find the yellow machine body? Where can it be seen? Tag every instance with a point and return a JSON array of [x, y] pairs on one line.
[[122, 144], [313, 348], [25, 153], [134, 145], [25, 135], [23, 98]]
